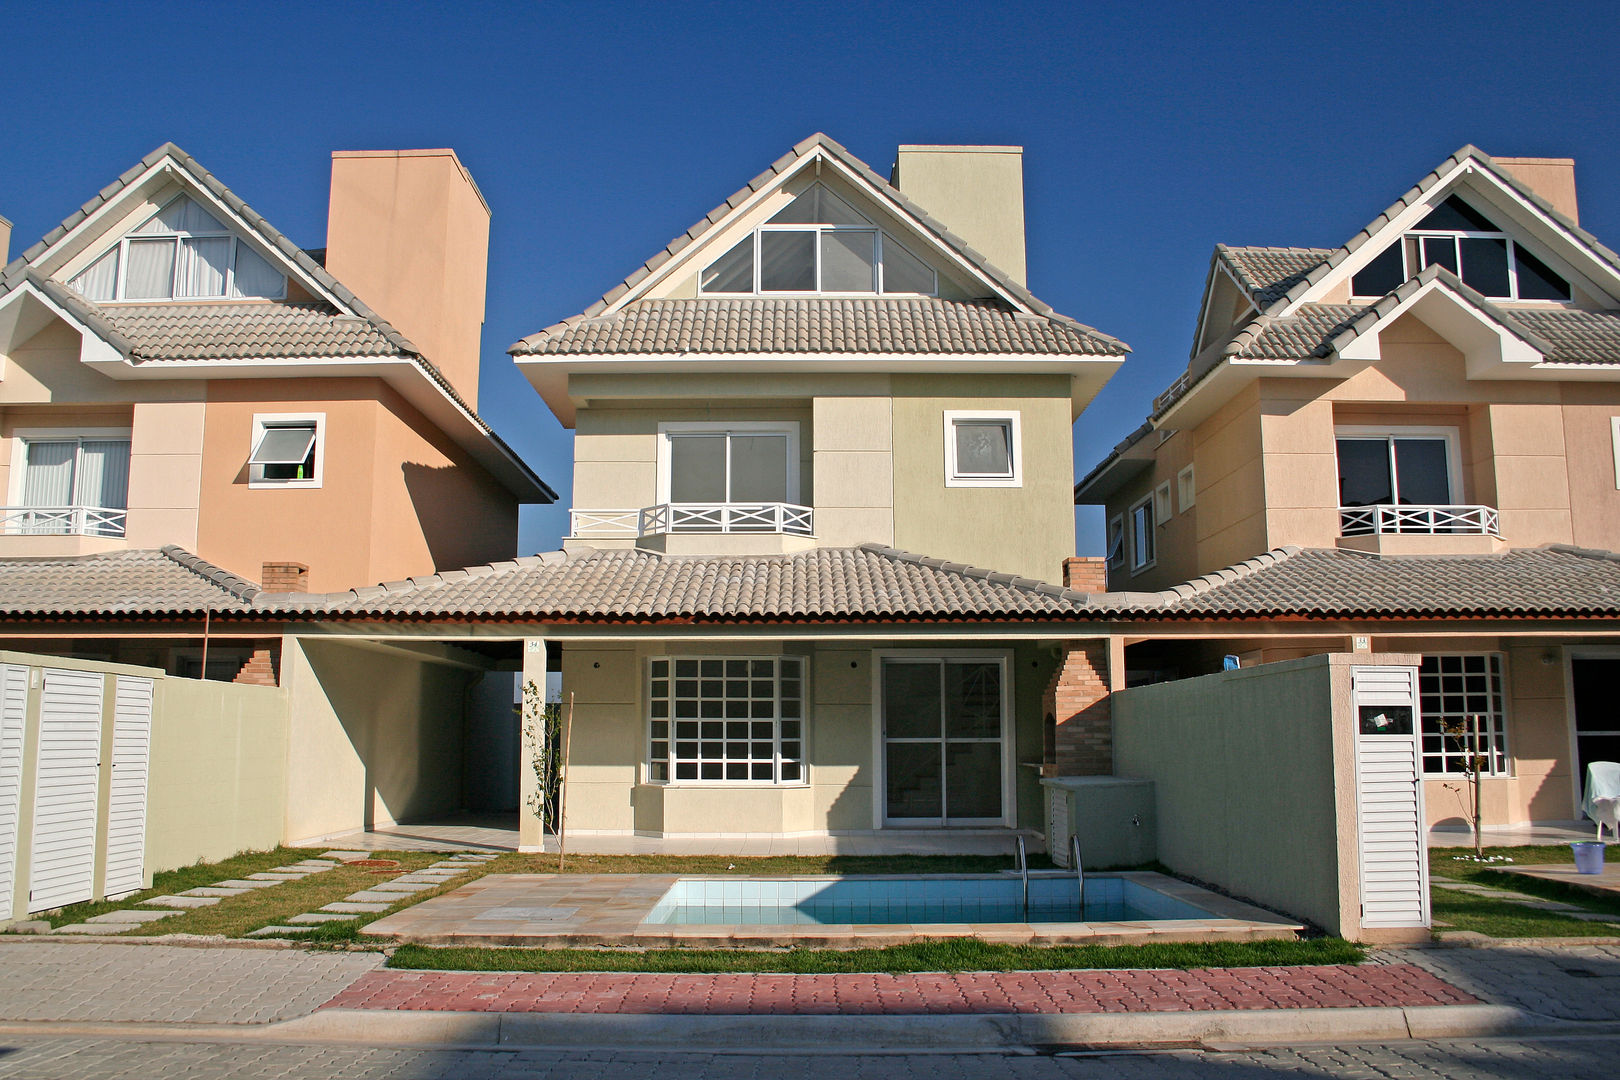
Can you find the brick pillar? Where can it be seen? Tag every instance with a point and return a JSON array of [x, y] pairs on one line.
[[284, 577], [1085, 573], [262, 667], [1079, 725]]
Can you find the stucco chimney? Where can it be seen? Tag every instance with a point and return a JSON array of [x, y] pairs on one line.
[[977, 192], [408, 232], [1551, 178]]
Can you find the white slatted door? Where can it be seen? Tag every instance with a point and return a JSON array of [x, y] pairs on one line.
[[1389, 798], [126, 793], [13, 716], [63, 859]]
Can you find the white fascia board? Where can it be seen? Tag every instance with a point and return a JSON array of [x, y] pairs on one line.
[[1484, 343], [13, 313], [1216, 388], [549, 374], [403, 375], [1603, 276]]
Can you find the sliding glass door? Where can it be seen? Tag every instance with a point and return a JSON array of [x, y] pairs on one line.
[[944, 741]]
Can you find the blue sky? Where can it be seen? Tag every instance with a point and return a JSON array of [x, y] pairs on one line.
[[599, 131]]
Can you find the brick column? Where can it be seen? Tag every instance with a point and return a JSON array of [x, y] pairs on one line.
[[262, 667], [1085, 573], [284, 577], [1079, 724]]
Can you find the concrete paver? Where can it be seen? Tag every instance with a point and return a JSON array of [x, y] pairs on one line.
[[210, 890], [355, 908], [1566, 982], [182, 901], [131, 916]]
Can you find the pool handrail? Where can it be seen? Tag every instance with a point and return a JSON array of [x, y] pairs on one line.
[[1079, 874], [1023, 870]]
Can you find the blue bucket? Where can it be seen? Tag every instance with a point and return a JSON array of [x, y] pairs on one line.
[[1588, 856]]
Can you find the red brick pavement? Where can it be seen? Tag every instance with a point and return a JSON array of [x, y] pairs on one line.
[[1318, 987]]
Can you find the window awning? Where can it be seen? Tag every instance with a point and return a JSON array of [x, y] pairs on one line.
[[288, 445]]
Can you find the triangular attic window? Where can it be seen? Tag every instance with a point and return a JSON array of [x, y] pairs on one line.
[[181, 252], [1459, 238], [818, 206]]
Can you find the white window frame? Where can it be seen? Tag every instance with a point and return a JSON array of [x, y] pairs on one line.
[[877, 253], [1497, 734], [1451, 435], [1408, 271], [1162, 510], [648, 760], [261, 421], [1115, 555], [1009, 749], [225, 232], [1147, 536], [790, 428], [1186, 489], [20, 438], [1010, 417]]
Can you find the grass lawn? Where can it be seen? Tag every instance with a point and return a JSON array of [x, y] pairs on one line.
[[170, 882], [1502, 919], [957, 954]]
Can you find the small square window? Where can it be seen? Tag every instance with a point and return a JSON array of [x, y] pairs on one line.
[[1116, 542], [287, 451], [1186, 489], [1143, 551], [1161, 504], [982, 450]]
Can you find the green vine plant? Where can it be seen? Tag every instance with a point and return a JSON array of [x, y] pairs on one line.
[[542, 729]]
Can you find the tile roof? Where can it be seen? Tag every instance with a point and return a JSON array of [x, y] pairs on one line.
[[1336, 583], [829, 325], [223, 331], [826, 145], [139, 582], [1269, 272], [866, 582]]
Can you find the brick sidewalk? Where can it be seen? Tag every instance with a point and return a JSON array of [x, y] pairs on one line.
[[1326, 986]]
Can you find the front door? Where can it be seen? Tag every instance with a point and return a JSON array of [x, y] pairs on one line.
[[1597, 721], [944, 749]]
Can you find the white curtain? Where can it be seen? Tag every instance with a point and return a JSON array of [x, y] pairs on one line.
[[202, 266], [99, 280], [48, 477], [103, 474], [151, 270], [255, 277]]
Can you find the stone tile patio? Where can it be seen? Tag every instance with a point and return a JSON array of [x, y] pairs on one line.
[[1604, 884], [587, 910]]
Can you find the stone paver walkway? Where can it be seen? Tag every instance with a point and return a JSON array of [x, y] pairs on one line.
[[117, 922], [378, 897], [1323, 986], [63, 980]]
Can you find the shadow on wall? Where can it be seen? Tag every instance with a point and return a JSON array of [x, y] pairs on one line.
[[459, 522], [404, 719]]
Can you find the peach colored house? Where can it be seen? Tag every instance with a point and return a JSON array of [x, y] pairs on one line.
[[173, 370], [1423, 429]]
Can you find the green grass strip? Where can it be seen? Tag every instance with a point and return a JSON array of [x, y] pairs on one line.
[[955, 954]]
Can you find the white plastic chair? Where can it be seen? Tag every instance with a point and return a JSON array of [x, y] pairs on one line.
[[1602, 801]]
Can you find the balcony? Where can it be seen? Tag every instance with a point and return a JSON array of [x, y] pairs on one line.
[[102, 521], [697, 528], [1402, 529]]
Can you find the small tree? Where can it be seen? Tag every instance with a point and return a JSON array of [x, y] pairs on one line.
[[1464, 736], [542, 729]]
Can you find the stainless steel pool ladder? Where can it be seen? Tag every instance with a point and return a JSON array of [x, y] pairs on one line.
[[1023, 870], [1079, 875]]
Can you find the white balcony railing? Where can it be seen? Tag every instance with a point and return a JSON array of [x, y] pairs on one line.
[[62, 521], [692, 518], [1431, 520]]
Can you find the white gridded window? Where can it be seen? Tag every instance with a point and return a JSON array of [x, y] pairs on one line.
[[818, 243], [1142, 551], [733, 718], [181, 252], [1455, 690], [284, 452]]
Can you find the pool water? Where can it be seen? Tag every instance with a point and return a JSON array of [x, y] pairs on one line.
[[994, 898]]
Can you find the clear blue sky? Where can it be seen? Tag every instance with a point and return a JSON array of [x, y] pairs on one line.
[[599, 131]]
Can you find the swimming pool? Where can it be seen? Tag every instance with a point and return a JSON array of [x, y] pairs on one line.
[[966, 898]]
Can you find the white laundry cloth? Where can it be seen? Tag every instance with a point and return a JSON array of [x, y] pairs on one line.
[[1602, 802]]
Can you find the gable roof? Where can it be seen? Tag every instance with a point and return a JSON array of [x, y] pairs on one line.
[[1013, 294], [1267, 273]]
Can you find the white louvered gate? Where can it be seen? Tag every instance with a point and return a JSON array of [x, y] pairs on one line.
[[126, 793], [63, 859], [13, 706], [1389, 798]]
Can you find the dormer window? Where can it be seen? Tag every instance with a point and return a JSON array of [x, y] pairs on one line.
[[181, 253], [1461, 239], [818, 244]]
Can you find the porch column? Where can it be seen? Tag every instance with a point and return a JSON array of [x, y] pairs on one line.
[[1077, 707], [530, 829]]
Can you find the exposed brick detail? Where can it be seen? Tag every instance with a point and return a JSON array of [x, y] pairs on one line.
[[1080, 740], [1085, 573], [284, 577], [262, 668]]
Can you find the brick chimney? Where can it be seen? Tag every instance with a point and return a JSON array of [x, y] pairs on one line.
[[1551, 178], [408, 232], [977, 192], [1085, 573], [284, 577]]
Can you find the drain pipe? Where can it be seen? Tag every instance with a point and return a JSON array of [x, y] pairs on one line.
[[1023, 870], [1079, 874]]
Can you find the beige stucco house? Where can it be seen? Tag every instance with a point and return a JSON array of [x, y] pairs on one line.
[[1422, 428]]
